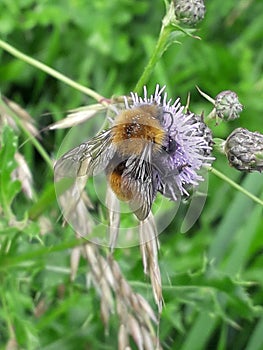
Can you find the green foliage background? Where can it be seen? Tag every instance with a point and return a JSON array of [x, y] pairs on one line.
[[213, 273]]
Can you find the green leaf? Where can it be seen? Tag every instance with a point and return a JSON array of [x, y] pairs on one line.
[[9, 188], [211, 290]]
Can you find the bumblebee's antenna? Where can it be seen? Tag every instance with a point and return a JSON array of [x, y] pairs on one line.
[[172, 119]]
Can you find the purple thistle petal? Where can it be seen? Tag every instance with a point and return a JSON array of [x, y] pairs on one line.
[[192, 139]]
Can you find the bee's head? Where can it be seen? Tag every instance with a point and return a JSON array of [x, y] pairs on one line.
[[169, 145]]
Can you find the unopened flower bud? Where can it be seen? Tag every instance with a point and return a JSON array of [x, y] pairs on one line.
[[244, 150], [227, 105], [189, 11]]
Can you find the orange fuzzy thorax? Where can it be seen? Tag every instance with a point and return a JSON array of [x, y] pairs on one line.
[[135, 128]]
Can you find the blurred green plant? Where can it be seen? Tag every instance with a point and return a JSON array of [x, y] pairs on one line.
[[213, 274]]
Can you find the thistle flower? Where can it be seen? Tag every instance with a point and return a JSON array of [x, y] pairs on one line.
[[203, 131], [244, 150], [227, 105], [189, 11], [186, 148]]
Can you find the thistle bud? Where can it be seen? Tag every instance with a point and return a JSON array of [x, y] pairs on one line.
[[203, 131], [244, 150], [189, 11], [227, 105]]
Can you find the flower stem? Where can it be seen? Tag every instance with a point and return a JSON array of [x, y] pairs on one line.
[[157, 53], [235, 185], [55, 74]]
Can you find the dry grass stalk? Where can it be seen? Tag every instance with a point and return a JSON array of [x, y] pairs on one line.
[[45, 225], [123, 339], [78, 116], [74, 203], [149, 249], [25, 118], [23, 174], [136, 317], [12, 344], [113, 205], [74, 262], [40, 308]]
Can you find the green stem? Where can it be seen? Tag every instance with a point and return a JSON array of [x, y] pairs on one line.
[[16, 53], [49, 196], [45, 200], [7, 315], [35, 254], [157, 53], [235, 185]]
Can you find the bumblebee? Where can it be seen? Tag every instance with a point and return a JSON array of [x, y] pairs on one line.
[[128, 153]]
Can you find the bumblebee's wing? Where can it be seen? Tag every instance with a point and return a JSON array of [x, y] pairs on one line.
[[71, 173], [88, 158], [167, 185], [140, 177], [169, 189]]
